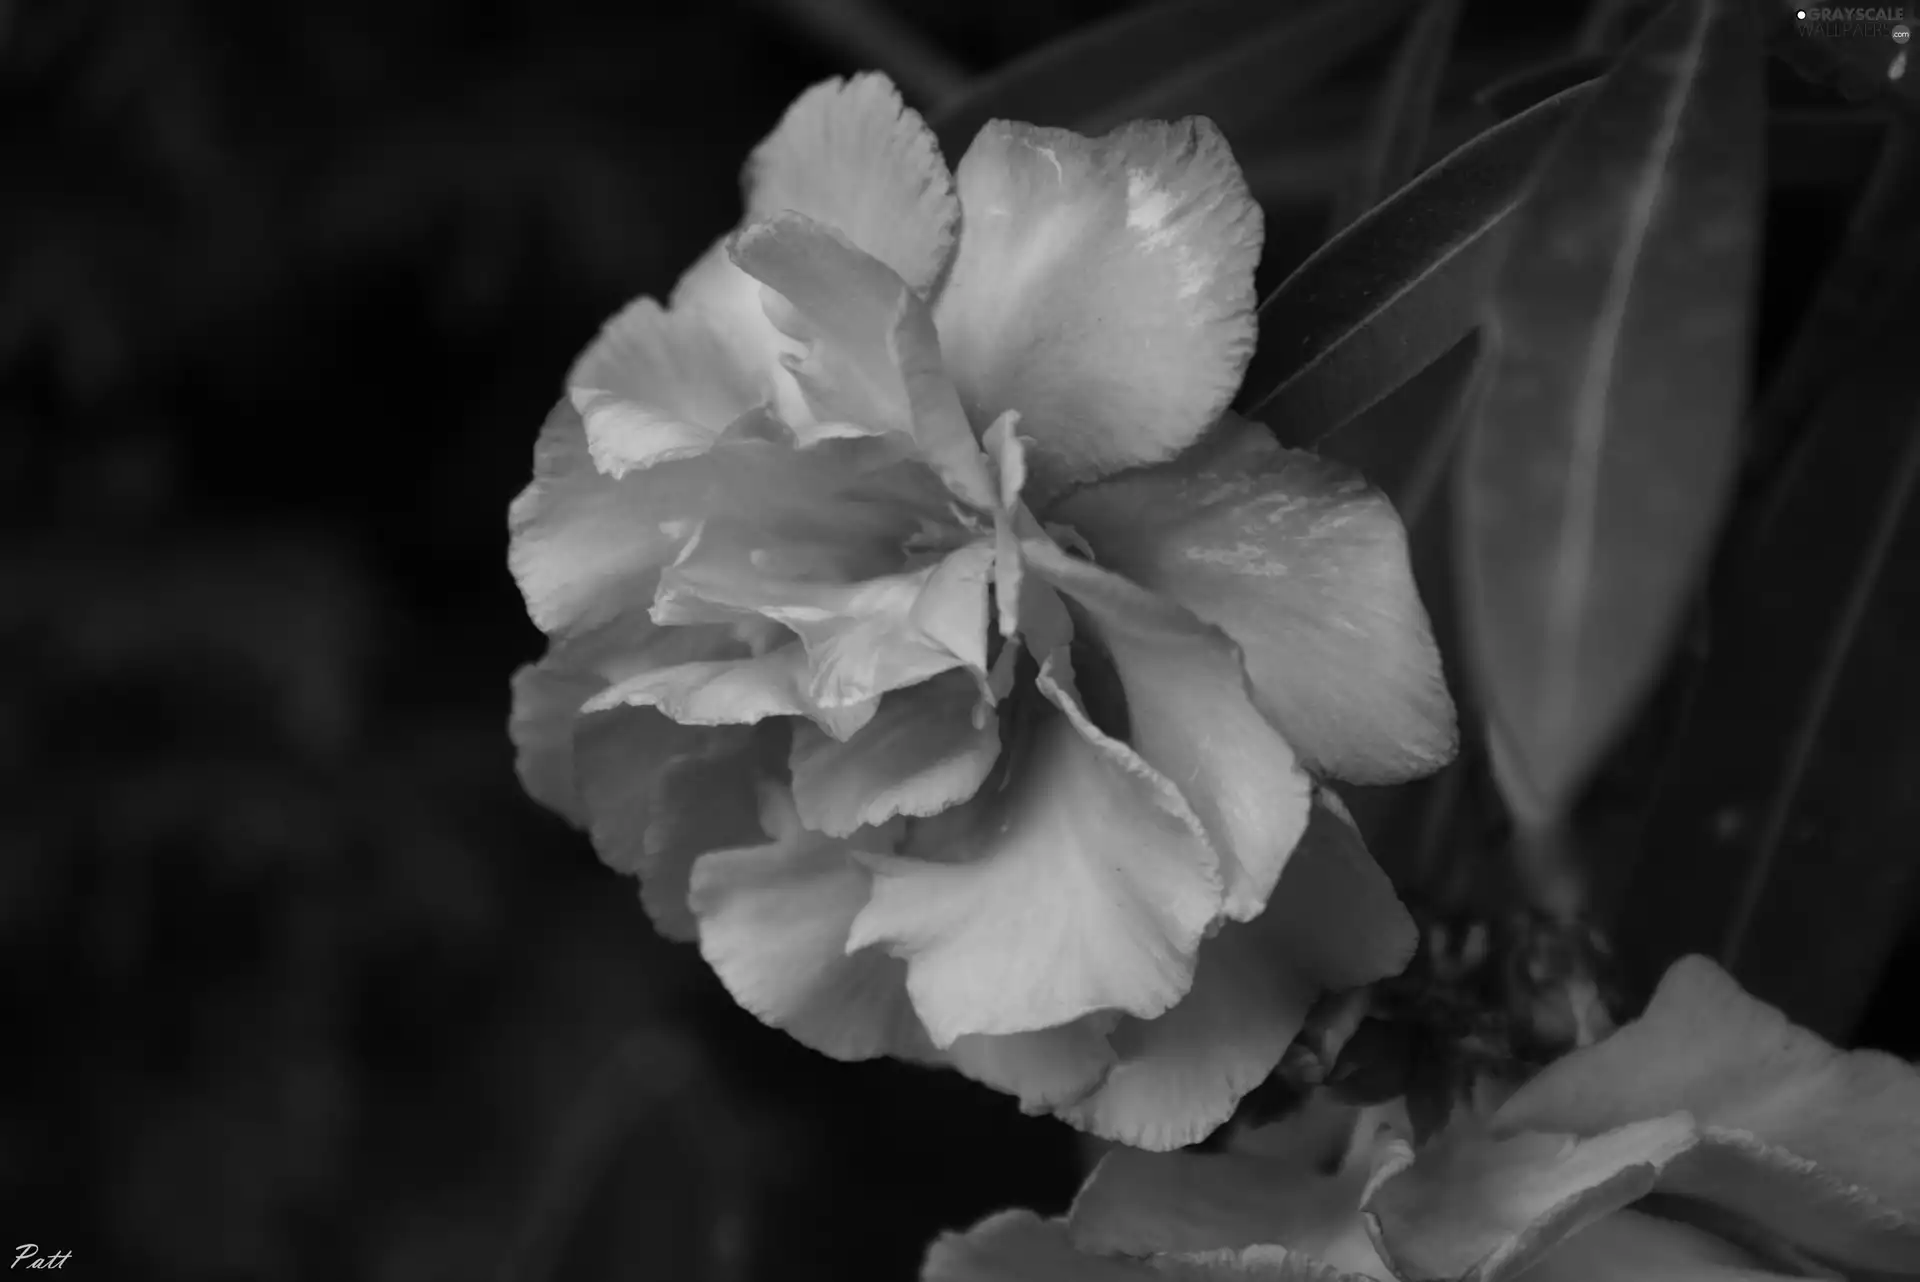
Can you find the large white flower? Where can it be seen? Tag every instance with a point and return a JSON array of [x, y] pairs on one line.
[[936, 651]]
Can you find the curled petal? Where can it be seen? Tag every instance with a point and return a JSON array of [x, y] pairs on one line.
[[658, 795], [1818, 1143], [1045, 1069], [1306, 567], [862, 639], [1084, 885], [1473, 1209], [657, 386], [871, 354], [773, 922], [850, 154], [721, 692], [921, 753], [1334, 923], [1628, 1246], [1192, 718], [1103, 287], [581, 547]]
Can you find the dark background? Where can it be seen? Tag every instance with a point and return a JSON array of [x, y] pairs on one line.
[[294, 981]]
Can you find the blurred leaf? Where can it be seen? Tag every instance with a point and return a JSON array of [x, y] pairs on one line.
[[1232, 60], [1512, 94], [1397, 137], [1590, 488], [1385, 298], [1782, 838]]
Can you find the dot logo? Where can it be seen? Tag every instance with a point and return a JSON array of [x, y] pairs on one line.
[[1900, 33]]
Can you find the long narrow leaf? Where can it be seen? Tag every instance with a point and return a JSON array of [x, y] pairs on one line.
[[1385, 298], [1397, 136], [1590, 490], [1782, 837], [1228, 59]]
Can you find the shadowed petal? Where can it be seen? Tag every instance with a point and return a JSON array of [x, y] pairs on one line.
[[1019, 1246], [1333, 923], [1815, 1142], [655, 386], [1084, 885], [1305, 566], [773, 922], [921, 753], [1103, 288], [1044, 1069], [720, 692], [869, 352], [862, 639], [1192, 718], [1630, 1247], [658, 795]]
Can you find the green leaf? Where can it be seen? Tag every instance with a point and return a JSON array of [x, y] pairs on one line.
[[1591, 487], [1397, 136], [1384, 299], [1235, 61]]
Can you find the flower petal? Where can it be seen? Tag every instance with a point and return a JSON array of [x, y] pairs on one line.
[[733, 304], [656, 386], [773, 922], [1144, 1203], [1019, 1246], [919, 755], [862, 639], [1628, 1246], [659, 794], [871, 355], [1474, 1209], [1044, 1069], [720, 692], [548, 695], [1306, 568], [1333, 923], [1848, 1122], [1192, 718], [851, 154], [582, 548], [1085, 884], [1103, 288]]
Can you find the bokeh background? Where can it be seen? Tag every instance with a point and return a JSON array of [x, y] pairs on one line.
[[294, 981]]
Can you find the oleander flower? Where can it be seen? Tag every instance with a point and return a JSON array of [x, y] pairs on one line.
[[942, 656], [1778, 1157]]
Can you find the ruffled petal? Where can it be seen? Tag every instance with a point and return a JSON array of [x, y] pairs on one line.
[[1333, 923], [1304, 1198], [733, 304], [655, 386], [722, 692], [862, 639], [1473, 1209], [870, 356], [1103, 288], [921, 753], [548, 696], [582, 548], [658, 795], [851, 154], [1192, 718], [1628, 1246], [773, 922], [1085, 884], [1306, 567], [1816, 1142]]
